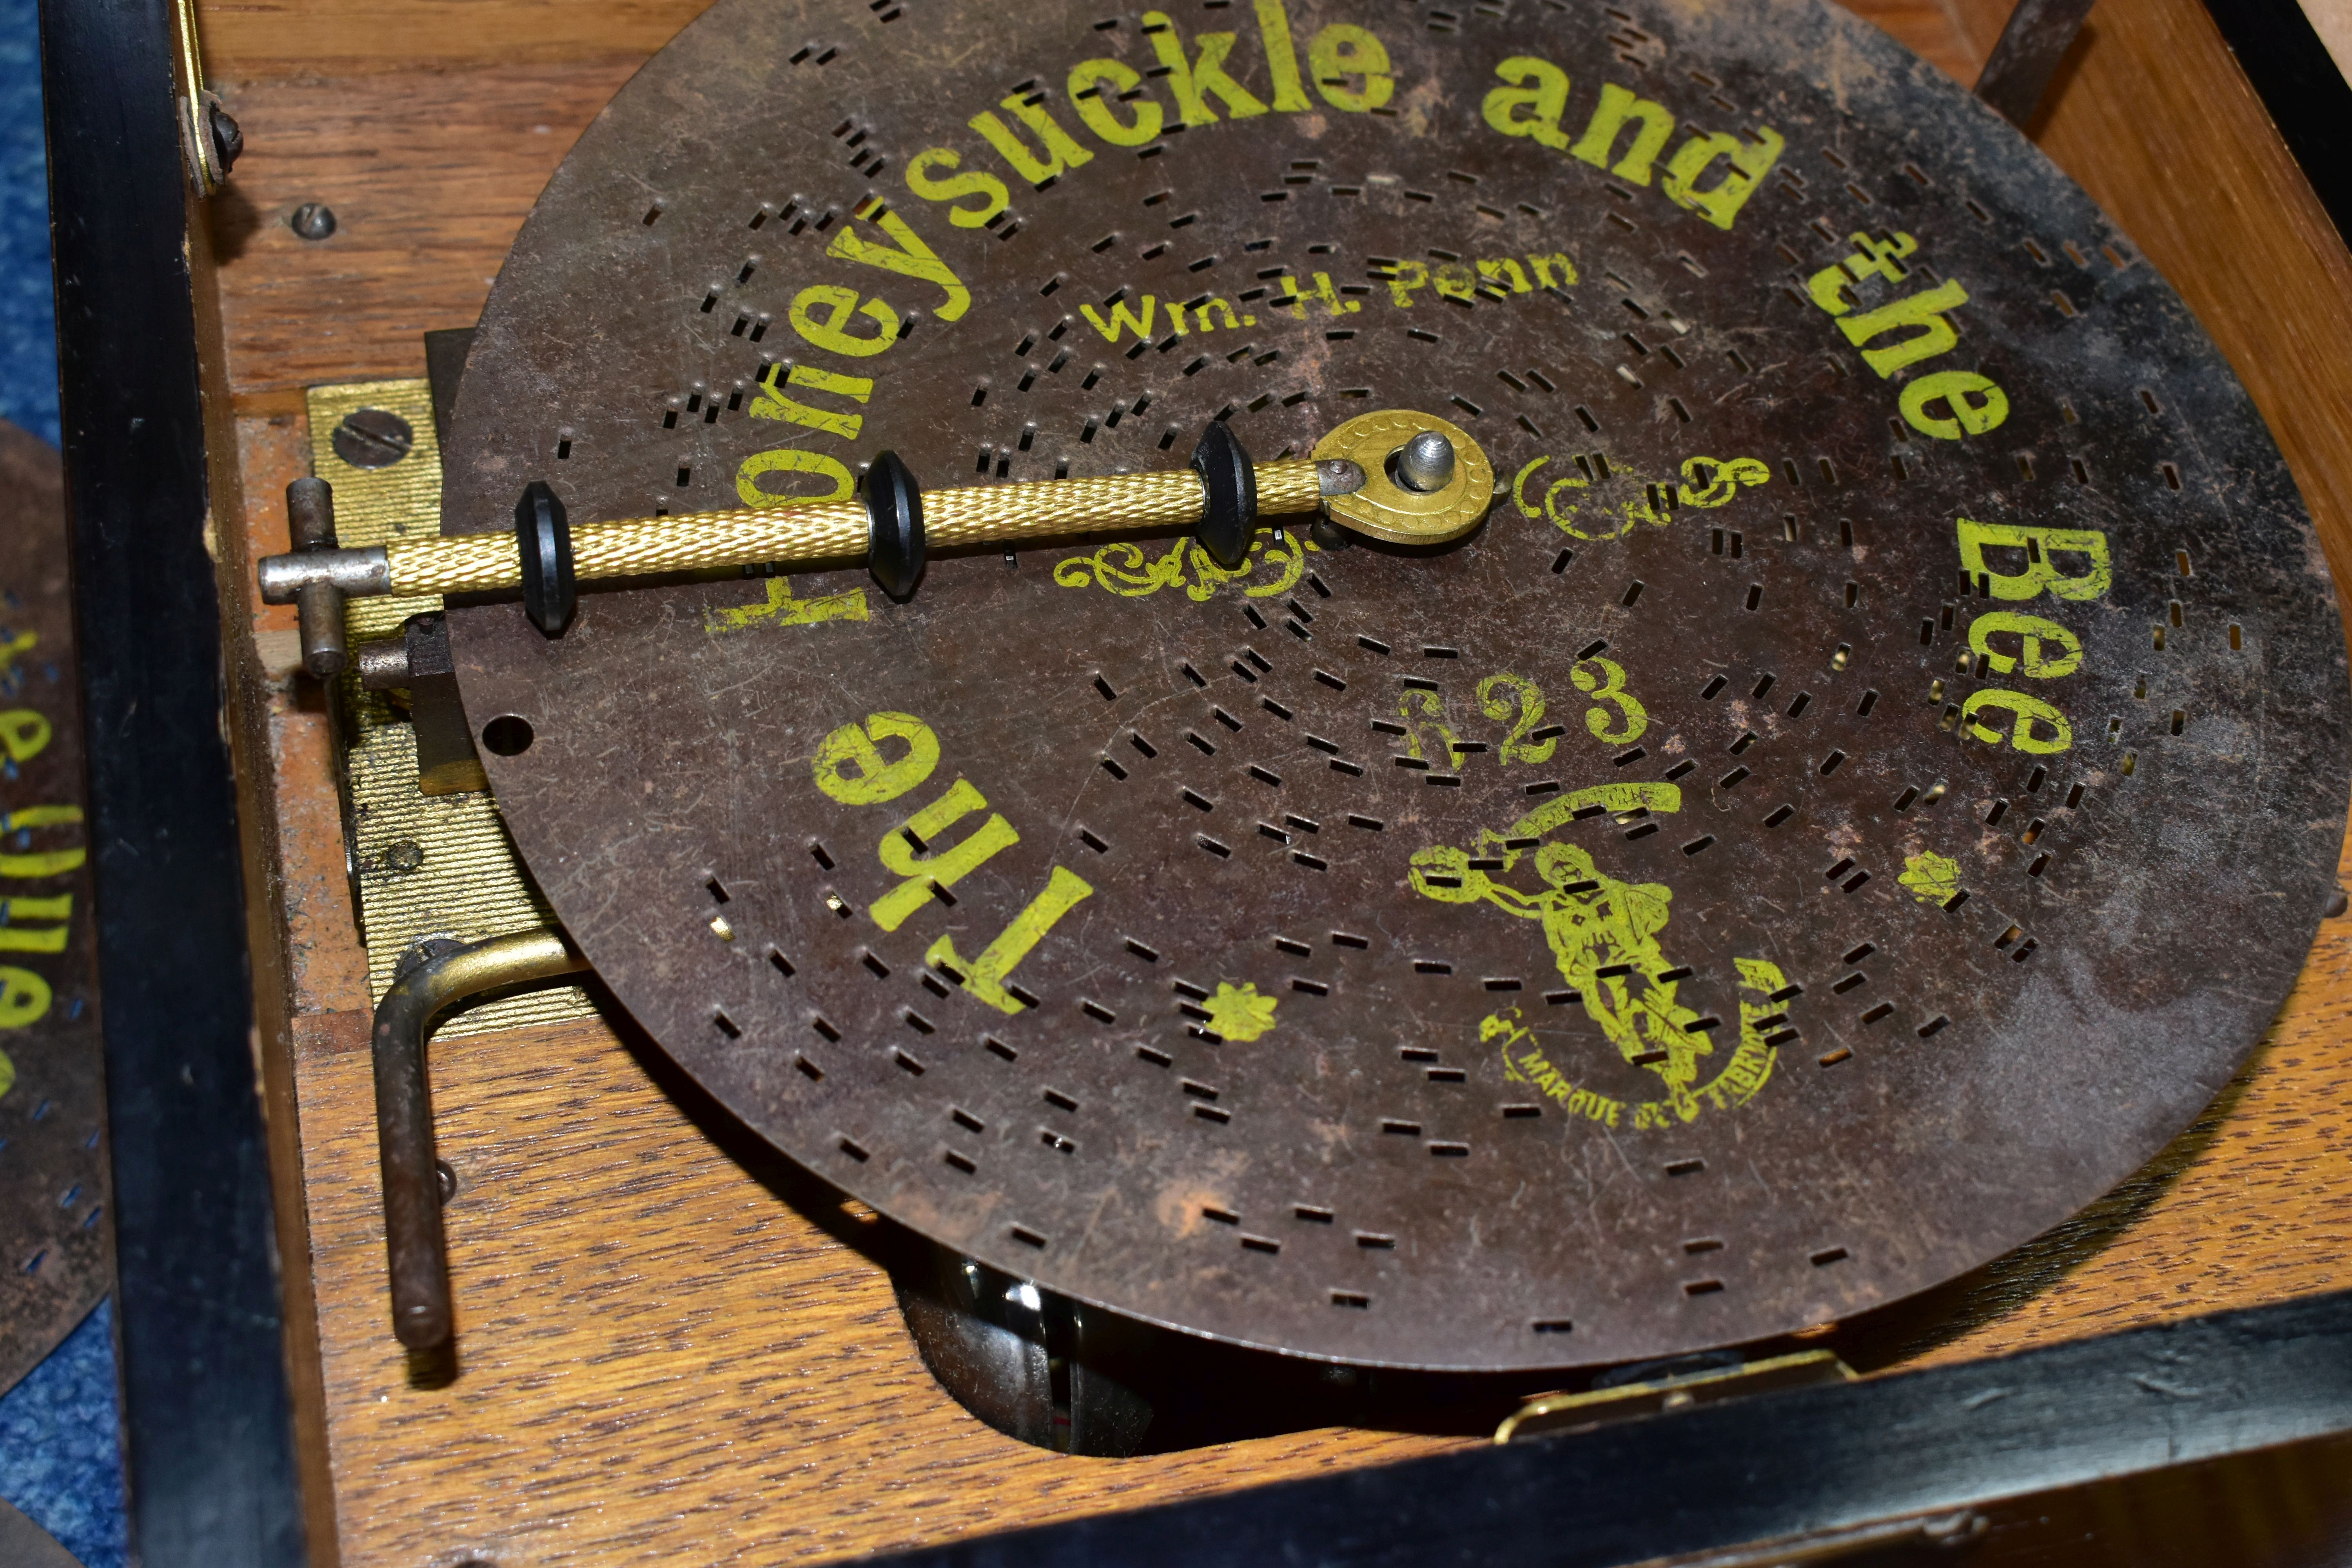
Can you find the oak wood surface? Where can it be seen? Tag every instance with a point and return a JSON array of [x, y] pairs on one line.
[[674, 1354]]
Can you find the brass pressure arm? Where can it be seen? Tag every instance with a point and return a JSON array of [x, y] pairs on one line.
[[1007, 515], [893, 524]]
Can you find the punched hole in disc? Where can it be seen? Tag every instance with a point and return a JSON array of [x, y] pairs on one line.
[[508, 735]]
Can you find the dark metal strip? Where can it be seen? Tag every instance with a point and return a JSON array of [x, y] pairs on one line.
[[2305, 92], [2034, 39], [1776, 1466], [208, 1422]]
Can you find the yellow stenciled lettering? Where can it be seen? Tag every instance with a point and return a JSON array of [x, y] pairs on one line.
[[1505, 272], [1550, 508], [1205, 72], [2040, 548], [905, 852], [1976, 401], [32, 939], [1056, 153], [850, 767], [2046, 650], [1552, 271], [1341, 52], [23, 733], [36, 864], [1092, 100], [42, 863], [1533, 102], [905, 255], [1403, 278], [59, 908], [1720, 203], [1293, 300], [822, 314], [1125, 320], [1871, 258], [1416, 706], [1222, 307], [23, 999], [920, 180], [1924, 312], [792, 461], [1281, 58], [1654, 122], [1609, 687], [1498, 696], [15, 938], [2025, 713], [774, 403], [781, 609], [984, 976]]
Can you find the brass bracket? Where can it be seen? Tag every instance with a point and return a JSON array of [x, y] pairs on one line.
[[429, 861], [1570, 1412]]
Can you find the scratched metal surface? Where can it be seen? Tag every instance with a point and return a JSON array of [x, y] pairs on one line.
[[54, 1240], [1423, 1065]]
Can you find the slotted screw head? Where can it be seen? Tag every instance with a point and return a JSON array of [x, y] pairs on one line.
[[311, 220], [228, 141], [373, 438]]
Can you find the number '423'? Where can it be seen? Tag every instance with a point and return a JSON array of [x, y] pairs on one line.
[[1615, 717]]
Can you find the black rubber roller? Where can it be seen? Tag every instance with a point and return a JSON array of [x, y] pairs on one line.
[[543, 540], [1231, 481], [894, 516]]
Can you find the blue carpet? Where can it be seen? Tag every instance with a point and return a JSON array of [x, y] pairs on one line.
[[60, 1459], [28, 322]]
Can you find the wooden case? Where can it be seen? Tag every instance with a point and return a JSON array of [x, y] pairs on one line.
[[672, 1354]]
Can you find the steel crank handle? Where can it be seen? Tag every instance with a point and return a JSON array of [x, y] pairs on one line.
[[417, 1248]]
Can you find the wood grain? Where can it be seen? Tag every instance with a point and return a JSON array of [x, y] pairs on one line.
[[656, 1350], [253, 40], [674, 1354], [428, 175]]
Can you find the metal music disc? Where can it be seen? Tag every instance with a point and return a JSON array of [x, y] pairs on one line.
[[1867, 785], [56, 1257]]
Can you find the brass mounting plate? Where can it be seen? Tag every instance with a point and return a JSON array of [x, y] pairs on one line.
[[423, 866]]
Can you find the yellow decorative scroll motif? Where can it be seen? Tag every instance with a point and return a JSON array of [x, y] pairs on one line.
[[1127, 570], [1706, 483], [1604, 936]]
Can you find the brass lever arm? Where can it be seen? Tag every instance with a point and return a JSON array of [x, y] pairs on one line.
[[1396, 475], [1009, 515]]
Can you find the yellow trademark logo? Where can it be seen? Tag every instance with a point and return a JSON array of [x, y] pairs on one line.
[[1605, 939]]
